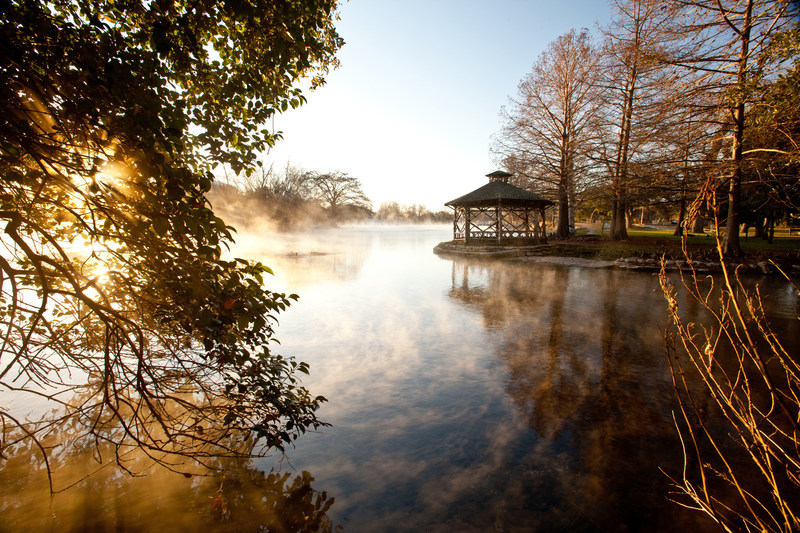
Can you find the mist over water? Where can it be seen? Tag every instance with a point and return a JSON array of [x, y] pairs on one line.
[[480, 396], [464, 395]]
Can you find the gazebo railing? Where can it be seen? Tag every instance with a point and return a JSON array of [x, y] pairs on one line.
[[491, 225]]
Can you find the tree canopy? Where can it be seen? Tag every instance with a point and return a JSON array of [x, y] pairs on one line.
[[117, 302], [546, 131], [684, 96], [337, 190]]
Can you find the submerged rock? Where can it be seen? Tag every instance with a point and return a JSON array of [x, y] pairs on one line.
[[567, 261]]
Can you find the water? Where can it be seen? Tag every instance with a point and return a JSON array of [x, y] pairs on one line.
[[463, 395]]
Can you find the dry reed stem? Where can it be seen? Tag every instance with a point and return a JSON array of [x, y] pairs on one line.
[[757, 393]]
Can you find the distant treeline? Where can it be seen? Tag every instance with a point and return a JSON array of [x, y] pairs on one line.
[[395, 213], [294, 199]]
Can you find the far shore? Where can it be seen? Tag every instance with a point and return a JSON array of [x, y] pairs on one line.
[[644, 250]]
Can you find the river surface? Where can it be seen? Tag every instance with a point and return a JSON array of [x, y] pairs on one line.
[[464, 395]]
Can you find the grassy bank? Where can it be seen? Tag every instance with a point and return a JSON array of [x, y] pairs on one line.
[[654, 242]]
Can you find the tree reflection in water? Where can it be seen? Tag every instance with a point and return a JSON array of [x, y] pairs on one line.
[[510, 397], [229, 496], [582, 354]]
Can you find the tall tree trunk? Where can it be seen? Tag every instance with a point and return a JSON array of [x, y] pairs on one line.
[[619, 229], [698, 225], [771, 226], [562, 232], [684, 179], [682, 213], [731, 245]]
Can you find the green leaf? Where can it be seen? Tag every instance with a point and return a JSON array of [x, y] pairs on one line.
[[160, 225]]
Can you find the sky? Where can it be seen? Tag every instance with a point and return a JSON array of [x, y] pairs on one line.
[[413, 107]]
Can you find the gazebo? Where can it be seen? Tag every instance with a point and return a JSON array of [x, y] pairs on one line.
[[499, 214]]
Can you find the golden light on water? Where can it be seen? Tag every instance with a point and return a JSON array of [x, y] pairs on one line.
[[460, 392]]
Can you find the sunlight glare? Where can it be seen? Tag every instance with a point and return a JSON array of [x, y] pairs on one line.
[[114, 174]]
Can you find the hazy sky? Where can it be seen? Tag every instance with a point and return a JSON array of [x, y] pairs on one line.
[[412, 108]]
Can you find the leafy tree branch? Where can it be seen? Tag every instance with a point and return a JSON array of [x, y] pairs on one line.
[[116, 301]]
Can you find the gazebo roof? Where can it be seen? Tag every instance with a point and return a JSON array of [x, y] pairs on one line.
[[498, 192]]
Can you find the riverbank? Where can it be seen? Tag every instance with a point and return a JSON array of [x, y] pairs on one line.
[[637, 253]]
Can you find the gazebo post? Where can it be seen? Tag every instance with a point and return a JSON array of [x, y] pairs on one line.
[[497, 211], [468, 226], [544, 225], [527, 226]]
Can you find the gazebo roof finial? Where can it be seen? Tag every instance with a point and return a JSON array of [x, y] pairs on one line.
[[499, 175]]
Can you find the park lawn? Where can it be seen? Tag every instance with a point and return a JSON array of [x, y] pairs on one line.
[[781, 240], [655, 242]]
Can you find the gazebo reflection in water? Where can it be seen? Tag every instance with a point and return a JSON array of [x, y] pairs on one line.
[[499, 214]]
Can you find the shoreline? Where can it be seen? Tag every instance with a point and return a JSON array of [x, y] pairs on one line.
[[582, 254]]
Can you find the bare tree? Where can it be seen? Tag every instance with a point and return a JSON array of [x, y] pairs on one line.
[[737, 381], [694, 148], [636, 104], [721, 41], [266, 183], [546, 133], [336, 190]]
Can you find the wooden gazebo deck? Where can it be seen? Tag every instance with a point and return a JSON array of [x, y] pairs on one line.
[[499, 214]]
